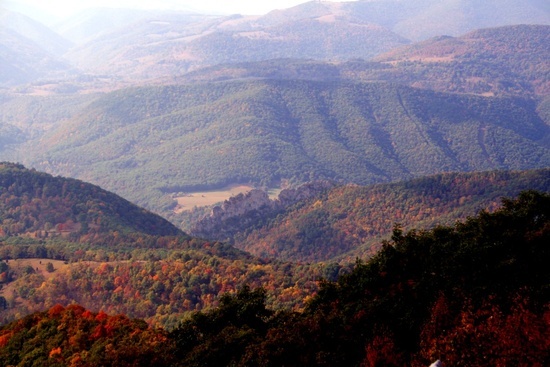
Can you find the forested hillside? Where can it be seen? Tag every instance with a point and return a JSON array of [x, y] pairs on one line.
[[347, 222], [391, 130], [158, 279], [39, 205], [74, 336], [504, 60], [148, 143], [511, 60], [472, 294], [66, 241]]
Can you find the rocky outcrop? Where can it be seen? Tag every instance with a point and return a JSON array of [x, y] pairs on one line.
[[289, 197], [246, 211], [241, 204]]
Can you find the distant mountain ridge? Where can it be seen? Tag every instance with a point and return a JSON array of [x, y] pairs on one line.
[[139, 45], [29, 50], [420, 19], [94, 22], [23, 61], [41, 35], [170, 45], [510, 60], [320, 30]]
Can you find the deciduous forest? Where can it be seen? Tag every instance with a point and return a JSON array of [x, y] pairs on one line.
[[470, 294]]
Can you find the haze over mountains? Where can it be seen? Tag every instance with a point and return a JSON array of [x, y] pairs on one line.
[[332, 116], [148, 44]]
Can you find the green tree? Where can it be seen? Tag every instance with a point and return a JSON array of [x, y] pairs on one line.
[[49, 267]]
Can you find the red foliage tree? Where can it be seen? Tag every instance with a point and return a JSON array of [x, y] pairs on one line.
[[487, 336]]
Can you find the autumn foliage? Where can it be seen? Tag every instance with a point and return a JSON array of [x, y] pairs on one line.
[[73, 336], [487, 335], [474, 294]]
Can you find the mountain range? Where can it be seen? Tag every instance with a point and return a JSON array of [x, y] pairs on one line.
[[467, 103], [147, 143], [508, 60], [143, 45], [166, 45]]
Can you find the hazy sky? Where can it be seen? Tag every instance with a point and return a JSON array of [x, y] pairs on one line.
[[62, 8]]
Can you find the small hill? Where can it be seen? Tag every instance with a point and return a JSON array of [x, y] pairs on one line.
[[39, 205], [511, 59]]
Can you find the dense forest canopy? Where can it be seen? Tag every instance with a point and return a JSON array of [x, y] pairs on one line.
[[39, 205], [152, 142], [345, 222]]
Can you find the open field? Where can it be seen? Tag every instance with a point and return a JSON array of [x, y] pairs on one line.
[[208, 198]]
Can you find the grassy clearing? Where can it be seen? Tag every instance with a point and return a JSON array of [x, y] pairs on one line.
[[209, 198], [39, 266]]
